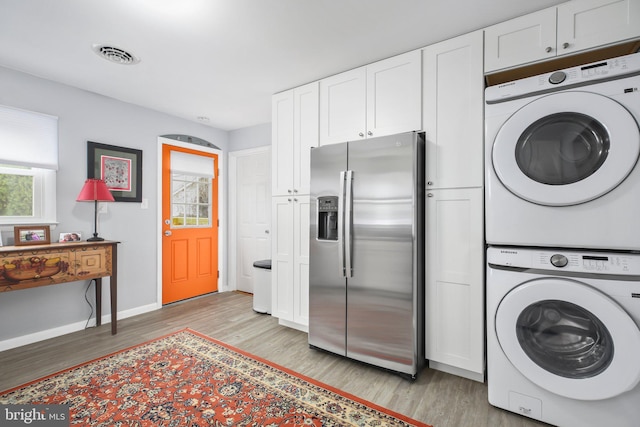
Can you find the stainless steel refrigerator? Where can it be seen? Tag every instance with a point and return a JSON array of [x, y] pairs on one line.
[[366, 251]]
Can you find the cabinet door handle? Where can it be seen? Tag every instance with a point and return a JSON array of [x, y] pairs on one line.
[[548, 49], [361, 134], [370, 133], [565, 45]]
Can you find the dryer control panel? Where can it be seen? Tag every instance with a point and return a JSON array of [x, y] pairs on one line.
[[564, 79], [611, 263]]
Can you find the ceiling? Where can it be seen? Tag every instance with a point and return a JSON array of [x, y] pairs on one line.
[[218, 62]]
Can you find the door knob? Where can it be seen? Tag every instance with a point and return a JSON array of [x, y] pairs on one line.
[[167, 233]]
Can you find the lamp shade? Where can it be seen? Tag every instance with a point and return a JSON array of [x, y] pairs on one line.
[[95, 190]]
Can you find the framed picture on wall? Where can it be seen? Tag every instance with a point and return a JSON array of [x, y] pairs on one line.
[[119, 167]]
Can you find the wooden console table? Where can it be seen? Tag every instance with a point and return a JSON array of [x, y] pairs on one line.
[[23, 267]]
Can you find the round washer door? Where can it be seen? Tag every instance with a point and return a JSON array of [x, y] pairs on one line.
[[569, 339], [566, 148]]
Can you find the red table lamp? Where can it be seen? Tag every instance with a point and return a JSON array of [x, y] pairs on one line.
[[95, 190]]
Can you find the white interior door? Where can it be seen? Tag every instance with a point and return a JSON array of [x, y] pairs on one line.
[[252, 194]]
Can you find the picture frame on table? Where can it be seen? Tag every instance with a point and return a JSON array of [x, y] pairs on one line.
[[119, 167], [70, 236], [31, 235]]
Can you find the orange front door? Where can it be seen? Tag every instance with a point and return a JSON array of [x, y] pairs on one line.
[[189, 223]]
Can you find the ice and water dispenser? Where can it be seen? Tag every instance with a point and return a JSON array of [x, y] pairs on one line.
[[328, 218]]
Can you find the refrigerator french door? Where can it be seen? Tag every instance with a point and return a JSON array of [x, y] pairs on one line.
[[366, 268]]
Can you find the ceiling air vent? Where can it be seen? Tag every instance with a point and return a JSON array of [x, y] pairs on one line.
[[115, 54]]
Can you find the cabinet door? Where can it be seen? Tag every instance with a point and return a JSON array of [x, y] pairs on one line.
[[282, 143], [301, 260], [33, 267], [305, 126], [343, 107], [589, 23], [393, 95], [454, 295], [282, 254], [453, 112], [524, 39], [92, 262]]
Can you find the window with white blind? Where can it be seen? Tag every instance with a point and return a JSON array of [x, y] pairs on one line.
[[28, 165]]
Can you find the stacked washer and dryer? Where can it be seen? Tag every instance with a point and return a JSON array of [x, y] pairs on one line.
[[563, 229]]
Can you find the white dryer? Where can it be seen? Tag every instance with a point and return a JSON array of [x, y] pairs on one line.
[[563, 336], [561, 158]]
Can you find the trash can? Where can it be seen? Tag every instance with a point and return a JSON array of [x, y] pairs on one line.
[[262, 286]]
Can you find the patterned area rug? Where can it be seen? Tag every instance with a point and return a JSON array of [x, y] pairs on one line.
[[189, 379]]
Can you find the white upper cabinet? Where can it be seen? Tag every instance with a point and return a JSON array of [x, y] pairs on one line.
[[305, 134], [394, 95], [380, 99], [282, 143], [524, 39], [570, 27], [453, 112], [588, 23], [294, 132], [343, 107]]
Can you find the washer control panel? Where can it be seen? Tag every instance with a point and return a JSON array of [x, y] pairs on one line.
[[627, 264]]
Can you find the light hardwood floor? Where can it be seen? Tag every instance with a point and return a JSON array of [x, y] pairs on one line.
[[436, 398]]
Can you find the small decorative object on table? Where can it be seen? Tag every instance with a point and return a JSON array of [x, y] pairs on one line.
[[31, 235], [72, 236], [95, 190]]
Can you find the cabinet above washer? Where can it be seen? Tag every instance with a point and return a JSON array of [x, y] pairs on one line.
[[568, 28]]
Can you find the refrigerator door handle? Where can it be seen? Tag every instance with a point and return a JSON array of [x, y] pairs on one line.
[[348, 221], [341, 224]]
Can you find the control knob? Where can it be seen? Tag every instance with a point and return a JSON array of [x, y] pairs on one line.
[[559, 260], [557, 77]]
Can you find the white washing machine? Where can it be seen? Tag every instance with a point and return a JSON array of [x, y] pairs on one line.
[[563, 336], [561, 159]]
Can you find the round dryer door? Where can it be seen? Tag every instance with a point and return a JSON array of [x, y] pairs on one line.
[[569, 339], [566, 148]]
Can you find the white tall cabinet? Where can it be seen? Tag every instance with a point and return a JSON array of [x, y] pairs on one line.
[[568, 28], [379, 99], [294, 132], [454, 127], [290, 260]]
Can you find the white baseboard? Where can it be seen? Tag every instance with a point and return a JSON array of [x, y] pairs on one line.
[[72, 327], [294, 325], [475, 376]]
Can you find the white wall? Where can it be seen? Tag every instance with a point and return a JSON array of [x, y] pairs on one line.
[[84, 116], [251, 137]]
